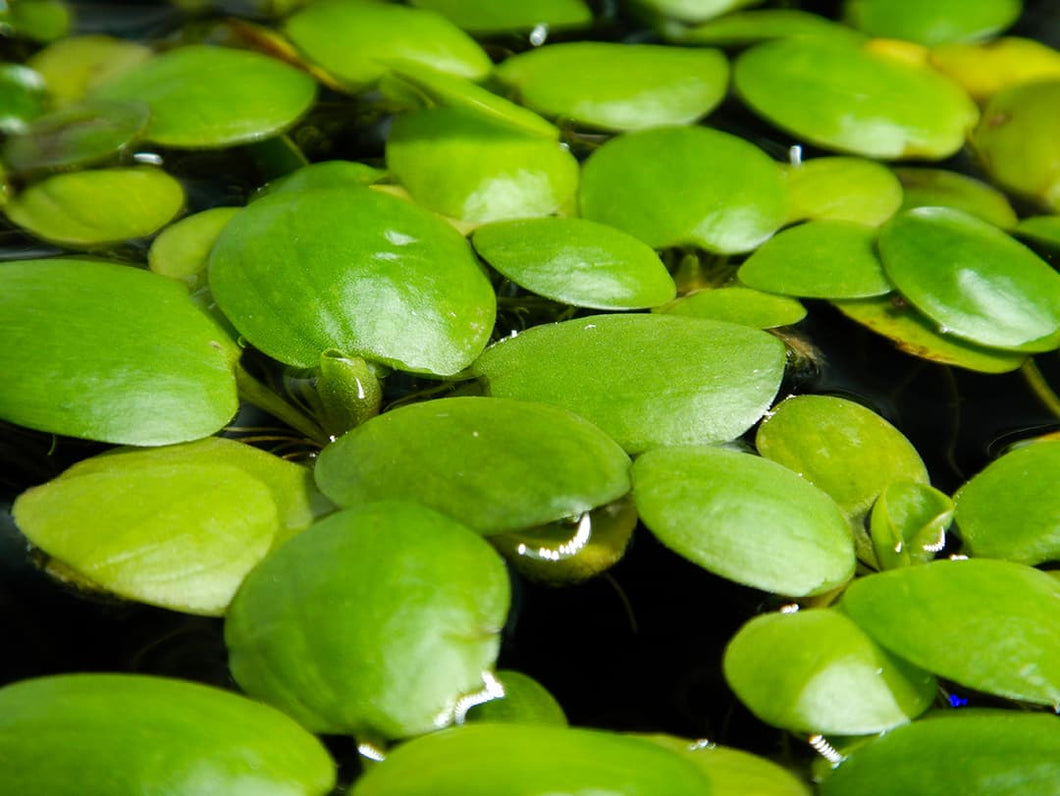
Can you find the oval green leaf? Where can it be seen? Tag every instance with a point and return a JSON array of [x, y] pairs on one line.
[[1042, 231], [972, 279], [1000, 753], [576, 261], [924, 187], [327, 174], [839, 95], [938, 22], [399, 287], [986, 624], [618, 86], [630, 375], [751, 27], [842, 447], [843, 189], [694, 10], [525, 701], [1011, 509], [463, 164], [986, 67], [908, 523], [691, 185], [73, 67], [493, 464], [335, 626], [191, 107], [745, 518], [357, 40], [169, 736], [488, 759], [893, 317], [76, 135], [89, 208], [483, 17], [816, 671], [818, 259], [82, 352], [22, 97], [182, 250], [742, 305]]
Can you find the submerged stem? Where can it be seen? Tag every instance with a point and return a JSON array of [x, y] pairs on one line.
[[1039, 386], [254, 392]]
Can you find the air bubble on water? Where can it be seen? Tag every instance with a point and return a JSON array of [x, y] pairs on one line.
[[795, 155], [151, 158], [701, 743], [539, 34], [790, 608], [958, 557]]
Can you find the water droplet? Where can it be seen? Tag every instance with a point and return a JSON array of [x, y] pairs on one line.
[[539, 34]]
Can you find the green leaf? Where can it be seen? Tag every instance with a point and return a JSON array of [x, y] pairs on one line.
[[940, 188], [177, 535], [22, 97], [1011, 509], [694, 10], [525, 701], [985, 752], [182, 250], [816, 671], [839, 95], [191, 107], [576, 261], [742, 305], [39, 20], [399, 287], [1016, 139], [745, 518], [169, 736], [82, 350], [630, 375], [73, 67], [985, 624], [937, 22], [483, 17], [818, 259], [842, 447], [89, 208], [618, 86], [358, 40], [493, 464], [843, 189], [327, 174], [892, 317], [347, 632], [489, 759], [751, 27], [972, 279], [1040, 230], [908, 523], [690, 185], [76, 135], [463, 164], [733, 772]]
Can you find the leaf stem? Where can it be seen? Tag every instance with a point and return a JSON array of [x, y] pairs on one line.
[[1039, 386], [254, 392]]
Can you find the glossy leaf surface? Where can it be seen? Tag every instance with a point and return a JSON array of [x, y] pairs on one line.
[[932, 23], [1016, 140], [88, 208], [818, 259], [462, 164], [576, 261], [488, 16], [214, 741], [692, 185], [973, 280], [618, 86], [76, 135], [182, 250], [745, 518], [399, 287], [1041, 230], [525, 701], [844, 448], [335, 626], [190, 107], [987, 752], [694, 10], [940, 188], [842, 96], [326, 174], [83, 349], [892, 317], [73, 67], [22, 97], [733, 772], [1011, 509], [487, 759], [493, 464], [817, 671], [742, 305], [988, 625], [986, 67], [630, 375], [356, 40], [743, 28], [843, 189]]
